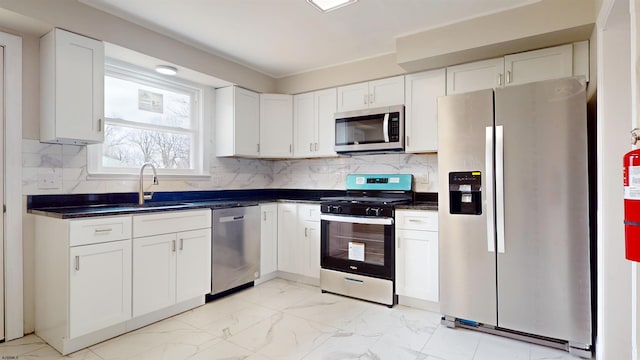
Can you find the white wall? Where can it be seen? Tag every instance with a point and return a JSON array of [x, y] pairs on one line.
[[613, 125]]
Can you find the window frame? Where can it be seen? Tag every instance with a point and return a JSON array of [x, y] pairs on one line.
[[201, 107]]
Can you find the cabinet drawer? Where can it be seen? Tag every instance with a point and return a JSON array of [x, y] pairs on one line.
[[170, 222], [99, 230], [309, 212], [417, 220]]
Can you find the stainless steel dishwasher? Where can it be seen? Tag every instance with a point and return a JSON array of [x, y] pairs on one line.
[[235, 259]]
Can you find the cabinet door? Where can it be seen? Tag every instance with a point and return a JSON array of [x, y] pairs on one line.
[[276, 125], [193, 274], [289, 246], [386, 92], [99, 286], [538, 65], [421, 110], [304, 126], [268, 239], [325, 108], [73, 88], [353, 97], [474, 76], [311, 232], [246, 123], [154, 273], [417, 264]]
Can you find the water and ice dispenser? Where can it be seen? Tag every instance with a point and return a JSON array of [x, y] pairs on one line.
[[465, 193]]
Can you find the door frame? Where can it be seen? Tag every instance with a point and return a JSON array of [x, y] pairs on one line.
[[13, 251]]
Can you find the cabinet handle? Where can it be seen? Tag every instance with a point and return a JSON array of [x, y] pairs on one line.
[[77, 263], [258, 147], [398, 243], [305, 232], [290, 148], [181, 244], [99, 125], [310, 146], [103, 230], [508, 76], [365, 99], [264, 216], [407, 140], [173, 245], [372, 98], [414, 220], [316, 146], [500, 79]]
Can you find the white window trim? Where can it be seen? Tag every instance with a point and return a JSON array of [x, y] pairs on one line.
[[203, 107]]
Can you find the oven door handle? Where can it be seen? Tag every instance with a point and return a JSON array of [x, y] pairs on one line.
[[357, 219]]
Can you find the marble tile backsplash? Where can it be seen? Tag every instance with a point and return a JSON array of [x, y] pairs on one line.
[[62, 169]]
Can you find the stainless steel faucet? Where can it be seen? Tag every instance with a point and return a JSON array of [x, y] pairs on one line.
[[141, 195]]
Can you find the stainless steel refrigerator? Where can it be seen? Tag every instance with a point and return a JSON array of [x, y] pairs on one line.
[[514, 212]]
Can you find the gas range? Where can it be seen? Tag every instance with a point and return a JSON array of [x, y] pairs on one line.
[[357, 237], [371, 195], [363, 205]]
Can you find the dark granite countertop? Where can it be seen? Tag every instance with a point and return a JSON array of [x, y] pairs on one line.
[[112, 204]]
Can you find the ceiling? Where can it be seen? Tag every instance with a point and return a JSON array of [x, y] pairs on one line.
[[286, 37]]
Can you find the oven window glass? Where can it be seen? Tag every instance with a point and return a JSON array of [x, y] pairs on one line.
[[356, 242]]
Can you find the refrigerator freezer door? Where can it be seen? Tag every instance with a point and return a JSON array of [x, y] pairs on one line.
[[543, 274], [467, 268]]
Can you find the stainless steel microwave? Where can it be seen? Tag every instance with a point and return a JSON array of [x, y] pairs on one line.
[[370, 130]]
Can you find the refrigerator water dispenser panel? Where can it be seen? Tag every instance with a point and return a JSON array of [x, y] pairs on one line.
[[465, 194]]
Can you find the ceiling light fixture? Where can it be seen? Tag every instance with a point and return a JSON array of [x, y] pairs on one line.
[[330, 5], [166, 70]]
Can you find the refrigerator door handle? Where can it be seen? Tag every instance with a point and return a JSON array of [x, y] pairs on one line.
[[500, 187], [488, 161]]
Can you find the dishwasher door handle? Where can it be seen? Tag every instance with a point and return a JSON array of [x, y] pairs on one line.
[[226, 219]]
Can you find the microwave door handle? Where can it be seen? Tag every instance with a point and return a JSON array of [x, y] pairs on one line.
[[385, 126]]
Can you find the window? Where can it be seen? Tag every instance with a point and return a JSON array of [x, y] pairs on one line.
[[149, 119]]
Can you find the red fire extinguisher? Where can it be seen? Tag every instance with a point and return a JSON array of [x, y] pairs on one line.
[[631, 181]]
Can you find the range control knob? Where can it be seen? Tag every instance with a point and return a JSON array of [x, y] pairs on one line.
[[378, 211], [336, 209]]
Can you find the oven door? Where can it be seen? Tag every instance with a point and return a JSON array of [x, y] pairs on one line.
[[358, 245]]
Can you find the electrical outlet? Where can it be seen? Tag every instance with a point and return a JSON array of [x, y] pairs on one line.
[[422, 179], [48, 181]]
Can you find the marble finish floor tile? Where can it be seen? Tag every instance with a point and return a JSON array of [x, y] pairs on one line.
[[281, 319]]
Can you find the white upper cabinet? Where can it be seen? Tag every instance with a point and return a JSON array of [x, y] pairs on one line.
[[421, 110], [237, 122], [276, 125], [313, 123], [538, 65], [71, 88], [474, 76], [531, 66], [372, 94]]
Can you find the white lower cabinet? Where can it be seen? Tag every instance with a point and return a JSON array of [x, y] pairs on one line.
[[299, 239], [99, 286], [99, 277], [171, 259], [82, 280], [417, 254], [268, 240]]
